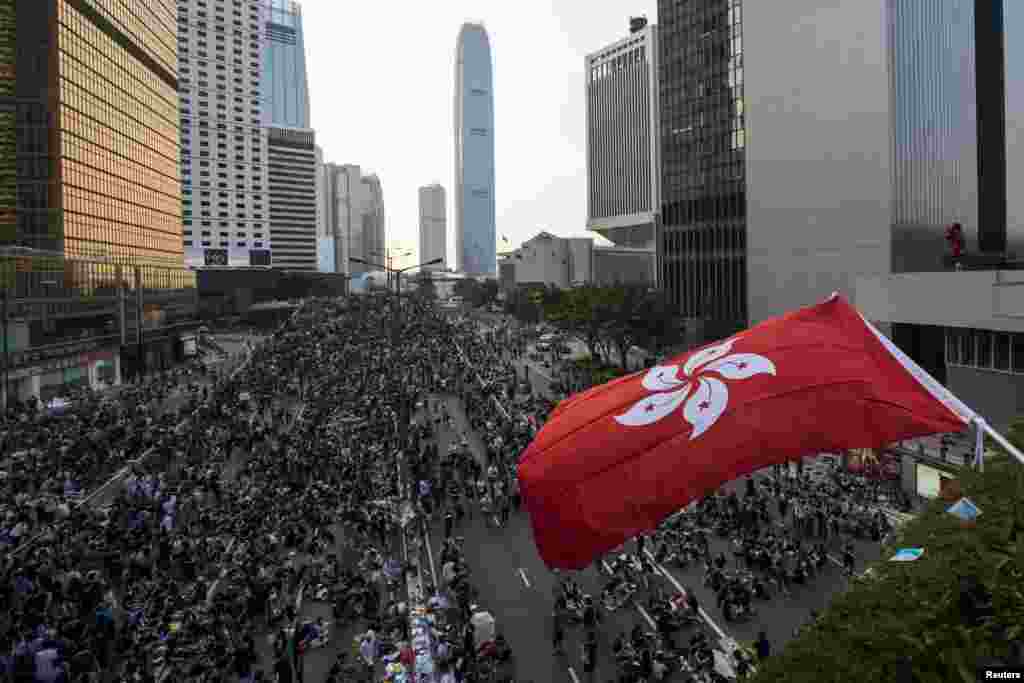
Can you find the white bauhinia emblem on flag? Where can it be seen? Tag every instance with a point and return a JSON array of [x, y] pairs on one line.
[[700, 387]]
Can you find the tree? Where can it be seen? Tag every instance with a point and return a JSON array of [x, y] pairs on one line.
[[584, 312], [627, 306]]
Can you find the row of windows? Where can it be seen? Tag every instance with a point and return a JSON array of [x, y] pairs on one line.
[[97, 60], [150, 27], [114, 200], [985, 349], [127, 140], [208, 243], [89, 235], [703, 143], [142, 167], [225, 234]]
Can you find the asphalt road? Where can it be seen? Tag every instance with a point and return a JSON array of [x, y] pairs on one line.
[[521, 602], [517, 588]]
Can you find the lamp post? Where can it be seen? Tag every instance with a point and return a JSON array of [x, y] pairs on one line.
[[397, 273]]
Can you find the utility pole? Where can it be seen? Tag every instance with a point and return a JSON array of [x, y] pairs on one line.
[[7, 350], [139, 314]]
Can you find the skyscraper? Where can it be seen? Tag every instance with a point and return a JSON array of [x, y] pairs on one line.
[[623, 138], [293, 199], [703, 142], [475, 233], [433, 226], [90, 167], [373, 219], [223, 142], [90, 194], [284, 67]]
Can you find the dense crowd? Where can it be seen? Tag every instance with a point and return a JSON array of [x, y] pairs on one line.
[[292, 477]]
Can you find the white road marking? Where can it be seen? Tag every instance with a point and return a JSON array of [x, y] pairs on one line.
[[430, 557], [572, 674], [682, 591], [522, 573]]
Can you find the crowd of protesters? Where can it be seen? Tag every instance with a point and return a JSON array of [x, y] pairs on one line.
[[291, 473]]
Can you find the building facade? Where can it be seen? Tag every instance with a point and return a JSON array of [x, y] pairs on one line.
[[353, 216], [960, 78], [565, 262], [623, 138], [90, 193], [374, 231], [433, 226], [223, 142], [703, 152], [292, 181], [475, 232], [284, 78]]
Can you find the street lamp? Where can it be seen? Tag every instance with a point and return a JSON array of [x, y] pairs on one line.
[[397, 275]]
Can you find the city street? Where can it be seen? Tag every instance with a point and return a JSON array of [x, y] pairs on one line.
[[518, 589]]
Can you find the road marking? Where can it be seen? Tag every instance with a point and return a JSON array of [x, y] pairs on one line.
[[682, 591], [522, 573], [572, 674], [430, 556]]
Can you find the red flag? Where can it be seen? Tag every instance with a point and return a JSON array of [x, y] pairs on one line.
[[614, 461]]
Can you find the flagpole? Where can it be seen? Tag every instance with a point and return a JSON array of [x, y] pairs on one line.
[[1000, 439]]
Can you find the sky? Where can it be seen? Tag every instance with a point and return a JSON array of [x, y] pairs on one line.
[[381, 81]]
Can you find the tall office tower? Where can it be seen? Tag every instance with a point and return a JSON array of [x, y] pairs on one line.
[[331, 238], [373, 219], [433, 227], [90, 194], [325, 242], [284, 67], [703, 259], [475, 233], [223, 144], [89, 130], [292, 183], [350, 198], [623, 143]]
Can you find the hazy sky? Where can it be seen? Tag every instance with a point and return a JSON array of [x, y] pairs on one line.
[[381, 80]]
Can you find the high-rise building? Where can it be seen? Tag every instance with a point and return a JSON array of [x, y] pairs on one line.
[[292, 181], [325, 242], [346, 197], [373, 219], [433, 226], [90, 193], [852, 189], [90, 165], [475, 232], [284, 67], [703, 141], [223, 142], [623, 143]]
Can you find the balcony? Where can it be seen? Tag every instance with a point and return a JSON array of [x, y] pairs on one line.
[[978, 299]]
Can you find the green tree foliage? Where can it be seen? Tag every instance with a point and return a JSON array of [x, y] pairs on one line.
[[912, 609], [584, 312], [627, 307]]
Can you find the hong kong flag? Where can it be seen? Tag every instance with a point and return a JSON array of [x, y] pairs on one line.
[[616, 460]]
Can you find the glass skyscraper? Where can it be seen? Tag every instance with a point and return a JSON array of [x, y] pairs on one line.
[[475, 235], [91, 90], [703, 134], [284, 67]]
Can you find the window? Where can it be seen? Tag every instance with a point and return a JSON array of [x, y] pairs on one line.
[[1017, 351], [983, 342], [1001, 351]]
